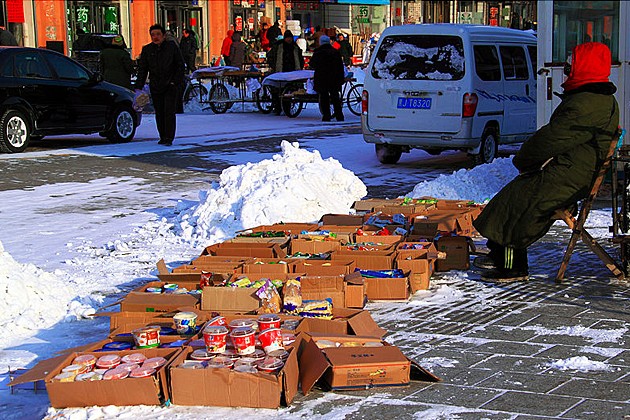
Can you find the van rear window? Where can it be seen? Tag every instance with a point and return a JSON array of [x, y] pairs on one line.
[[420, 57]]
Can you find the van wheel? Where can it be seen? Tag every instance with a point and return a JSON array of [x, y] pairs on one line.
[[387, 153], [489, 147]]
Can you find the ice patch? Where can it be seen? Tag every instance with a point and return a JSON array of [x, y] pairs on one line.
[[593, 334], [580, 364]]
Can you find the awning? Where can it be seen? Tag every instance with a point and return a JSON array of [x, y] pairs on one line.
[[364, 2]]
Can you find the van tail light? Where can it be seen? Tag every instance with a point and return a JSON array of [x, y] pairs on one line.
[[469, 105], [364, 102]]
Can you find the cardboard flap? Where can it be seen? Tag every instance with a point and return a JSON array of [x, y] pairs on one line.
[[162, 268], [418, 373], [354, 278], [313, 365], [364, 324], [39, 371], [291, 377]]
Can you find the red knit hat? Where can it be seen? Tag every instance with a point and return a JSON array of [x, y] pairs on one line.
[[590, 64]]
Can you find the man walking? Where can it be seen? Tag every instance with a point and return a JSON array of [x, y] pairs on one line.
[[163, 62], [188, 46], [328, 79]]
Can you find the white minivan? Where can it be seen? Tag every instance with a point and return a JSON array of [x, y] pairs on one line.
[[449, 87]]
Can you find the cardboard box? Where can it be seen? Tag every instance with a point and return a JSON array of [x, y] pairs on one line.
[[367, 260], [345, 322], [245, 249], [345, 368], [343, 233], [324, 267], [452, 221], [152, 390], [343, 219], [378, 239], [356, 291], [322, 287], [281, 241], [228, 388], [388, 288], [269, 265], [457, 253], [127, 319], [309, 246], [370, 204], [292, 228], [139, 300], [192, 274]]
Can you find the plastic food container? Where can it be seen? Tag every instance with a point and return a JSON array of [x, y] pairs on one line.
[[138, 358], [246, 368], [271, 339], [243, 323], [217, 321], [231, 354], [267, 321], [351, 344], [86, 360], [220, 362], [290, 324], [201, 355], [373, 344], [141, 372], [185, 323], [76, 369], [108, 361], [270, 364], [288, 339], [65, 377], [244, 340], [154, 362], [325, 344], [156, 290], [193, 364], [128, 366], [258, 354], [147, 337], [215, 338], [89, 376], [281, 354], [115, 373], [117, 346]]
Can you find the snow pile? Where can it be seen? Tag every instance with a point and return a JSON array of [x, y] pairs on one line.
[[579, 363], [296, 186], [33, 299], [478, 184]]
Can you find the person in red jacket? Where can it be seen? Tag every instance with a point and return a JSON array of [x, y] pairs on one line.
[[262, 37], [225, 47]]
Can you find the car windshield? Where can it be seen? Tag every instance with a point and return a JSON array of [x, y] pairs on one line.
[[420, 57]]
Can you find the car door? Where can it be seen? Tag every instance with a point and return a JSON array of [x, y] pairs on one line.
[[38, 87], [87, 100], [518, 101]]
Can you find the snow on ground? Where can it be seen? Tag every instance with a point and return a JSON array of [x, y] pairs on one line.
[[579, 363]]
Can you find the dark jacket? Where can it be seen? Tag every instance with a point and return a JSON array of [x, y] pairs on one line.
[[7, 38], [163, 64], [188, 45], [116, 66], [237, 51], [328, 66], [285, 57], [345, 49], [273, 33], [577, 138]]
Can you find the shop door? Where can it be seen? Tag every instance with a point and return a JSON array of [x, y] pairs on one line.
[[193, 20]]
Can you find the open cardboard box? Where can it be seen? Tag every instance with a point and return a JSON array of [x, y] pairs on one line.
[[347, 368], [291, 228], [127, 319], [355, 220], [396, 288], [245, 249], [192, 273], [457, 221], [391, 240], [152, 390], [345, 322], [229, 388], [369, 204], [457, 249], [310, 246], [367, 260], [139, 300], [324, 267], [269, 266], [343, 233]]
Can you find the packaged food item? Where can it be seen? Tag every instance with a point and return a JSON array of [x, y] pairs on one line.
[[154, 362], [292, 295], [128, 366], [154, 290], [76, 369], [373, 344], [288, 339], [281, 354], [246, 368], [268, 321], [269, 298], [258, 354], [193, 364], [240, 281], [217, 321], [137, 358], [108, 361], [245, 361], [244, 340], [170, 287], [117, 346], [271, 339], [206, 279], [351, 344], [65, 377], [270, 364], [185, 323], [215, 338], [115, 373], [243, 323], [141, 372], [326, 344], [89, 376], [231, 354], [147, 337], [290, 324], [88, 360], [201, 354], [316, 309], [220, 362]]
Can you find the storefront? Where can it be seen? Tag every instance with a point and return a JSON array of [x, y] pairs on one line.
[[12, 18], [246, 15]]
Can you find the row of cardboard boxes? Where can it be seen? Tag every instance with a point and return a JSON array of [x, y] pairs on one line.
[[344, 353]]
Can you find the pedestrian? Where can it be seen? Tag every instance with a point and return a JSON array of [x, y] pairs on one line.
[[188, 46], [328, 79], [286, 56], [237, 51], [556, 166], [345, 49], [162, 61], [225, 47], [318, 33], [115, 63], [7, 38], [265, 45], [274, 32]]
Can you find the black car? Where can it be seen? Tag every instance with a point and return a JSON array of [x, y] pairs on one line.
[[46, 93]]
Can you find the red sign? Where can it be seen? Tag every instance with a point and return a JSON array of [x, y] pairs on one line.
[[237, 2], [15, 11], [239, 23], [193, 21]]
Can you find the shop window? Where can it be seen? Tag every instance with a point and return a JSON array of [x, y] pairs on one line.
[[487, 62], [514, 63], [576, 22]]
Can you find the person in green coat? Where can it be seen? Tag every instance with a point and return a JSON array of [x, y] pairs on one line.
[[115, 63], [557, 166]]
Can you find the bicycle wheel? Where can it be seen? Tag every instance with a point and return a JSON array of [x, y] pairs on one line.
[[194, 92], [353, 99], [263, 100], [218, 99], [290, 105]]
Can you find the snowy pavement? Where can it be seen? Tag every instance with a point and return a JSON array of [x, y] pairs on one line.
[[521, 351]]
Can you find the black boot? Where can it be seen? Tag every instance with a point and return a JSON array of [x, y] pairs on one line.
[[510, 264]]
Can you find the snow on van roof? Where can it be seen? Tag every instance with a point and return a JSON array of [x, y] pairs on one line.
[[457, 28]]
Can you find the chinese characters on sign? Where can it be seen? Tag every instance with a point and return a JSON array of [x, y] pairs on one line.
[[494, 16]]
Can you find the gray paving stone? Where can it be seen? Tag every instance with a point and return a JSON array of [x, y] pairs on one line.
[[494, 332], [531, 403], [517, 318], [592, 409], [441, 393], [460, 359], [570, 340], [614, 374], [504, 363], [461, 376], [528, 382], [560, 351], [597, 390], [622, 359], [508, 347]]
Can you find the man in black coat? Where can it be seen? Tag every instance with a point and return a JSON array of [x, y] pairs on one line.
[[163, 62], [329, 77], [274, 32], [188, 46]]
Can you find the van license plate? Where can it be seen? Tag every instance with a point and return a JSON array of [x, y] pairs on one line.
[[414, 103]]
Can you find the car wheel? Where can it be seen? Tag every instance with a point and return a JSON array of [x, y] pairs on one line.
[[388, 153], [15, 132], [489, 147], [123, 126]]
